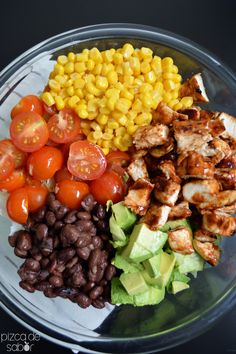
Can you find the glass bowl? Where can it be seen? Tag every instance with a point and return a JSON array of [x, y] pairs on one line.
[[122, 328]]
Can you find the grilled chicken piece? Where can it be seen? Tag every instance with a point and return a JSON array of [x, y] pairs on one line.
[[208, 251], [198, 191], [149, 136], [219, 200], [166, 115], [193, 112], [138, 197], [227, 177], [219, 223], [137, 154], [156, 216], [195, 165], [162, 150], [208, 114], [228, 162], [229, 125], [204, 236], [229, 209], [216, 127], [166, 191], [180, 211], [168, 170], [222, 150], [194, 87], [180, 240], [137, 169]]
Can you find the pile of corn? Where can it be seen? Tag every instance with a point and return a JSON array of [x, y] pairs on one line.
[[114, 91]]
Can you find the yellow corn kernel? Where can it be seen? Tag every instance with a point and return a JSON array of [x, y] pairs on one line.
[[80, 67], [73, 100], [107, 136], [119, 69], [59, 103], [138, 82], [95, 126], [97, 134], [177, 78], [117, 141], [89, 78], [112, 125], [127, 50], [135, 65], [48, 99], [62, 59], [69, 67], [131, 115], [123, 120], [118, 58], [95, 55], [131, 129], [79, 83], [85, 124], [68, 83], [156, 66], [112, 92], [150, 77], [120, 131], [91, 88], [159, 87], [92, 115], [74, 76], [167, 61], [79, 93], [91, 138], [81, 110], [97, 69], [71, 56], [175, 94], [137, 105], [128, 80], [112, 77], [126, 94], [169, 85], [92, 105], [104, 110], [145, 67], [90, 65], [141, 119], [127, 140], [108, 130], [187, 101], [105, 151], [127, 70], [145, 52], [81, 57], [146, 87], [70, 90], [54, 85], [86, 131], [111, 103], [102, 119], [107, 56], [106, 143], [123, 105], [178, 106], [101, 82], [175, 69], [168, 76], [58, 69], [172, 103], [166, 97], [146, 100]]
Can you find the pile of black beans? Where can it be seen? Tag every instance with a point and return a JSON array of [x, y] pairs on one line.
[[67, 252]]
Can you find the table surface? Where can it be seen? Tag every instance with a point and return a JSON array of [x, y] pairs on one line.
[[209, 23]]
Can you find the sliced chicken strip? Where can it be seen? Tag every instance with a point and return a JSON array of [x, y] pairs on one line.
[[139, 196], [222, 150], [219, 223], [229, 124], [165, 115], [168, 170], [137, 169], [156, 216], [192, 112], [180, 211], [162, 150], [180, 240], [204, 236], [166, 191], [219, 200], [150, 136], [229, 209], [198, 191], [227, 177], [195, 165], [194, 87], [208, 251]]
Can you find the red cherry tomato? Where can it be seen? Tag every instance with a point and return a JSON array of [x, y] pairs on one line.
[[32, 182], [28, 103], [29, 131], [17, 205], [120, 158], [108, 187], [64, 126], [66, 147], [16, 180], [63, 174], [7, 166], [19, 157], [43, 164], [86, 160], [71, 193], [36, 197]]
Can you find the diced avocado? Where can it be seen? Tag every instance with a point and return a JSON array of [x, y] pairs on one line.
[[153, 281], [126, 265], [166, 267], [152, 265], [135, 252], [118, 235], [118, 294], [123, 216], [187, 263], [133, 283], [152, 296], [178, 286], [177, 276], [172, 224]]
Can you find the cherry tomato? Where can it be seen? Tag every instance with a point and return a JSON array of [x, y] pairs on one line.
[[64, 126], [19, 157], [86, 160], [32, 182], [7, 166], [29, 131], [71, 193], [108, 187], [43, 164], [36, 197], [120, 158], [63, 174], [17, 205], [66, 147], [16, 180], [28, 103]]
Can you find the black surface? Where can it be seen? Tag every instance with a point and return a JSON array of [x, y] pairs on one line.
[[209, 23]]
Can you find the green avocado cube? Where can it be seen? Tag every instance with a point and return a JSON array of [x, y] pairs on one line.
[[152, 296], [167, 264], [178, 286], [123, 216], [152, 265], [133, 283], [118, 294], [126, 265]]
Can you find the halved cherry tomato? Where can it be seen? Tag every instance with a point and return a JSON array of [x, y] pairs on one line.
[[108, 187], [17, 205], [16, 180], [7, 166], [64, 126], [63, 174], [36, 197], [29, 131], [28, 103], [43, 164], [19, 157], [71, 193], [86, 160], [120, 158], [66, 147]]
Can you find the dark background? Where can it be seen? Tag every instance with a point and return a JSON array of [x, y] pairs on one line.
[[210, 23]]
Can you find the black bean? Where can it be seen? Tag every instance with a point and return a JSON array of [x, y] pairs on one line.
[[41, 231], [98, 303], [39, 215], [78, 279], [88, 202], [77, 268], [69, 234], [43, 274], [84, 225], [53, 256], [67, 293], [83, 300], [83, 252], [103, 282], [48, 292], [50, 218], [24, 241], [56, 241], [101, 212], [66, 254], [88, 287], [29, 224], [83, 215], [97, 242], [32, 264], [12, 239], [110, 272], [53, 265], [47, 246], [58, 225], [26, 286], [83, 241], [56, 281], [50, 197], [72, 262], [71, 217], [20, 253], [44, 262], [94, 258], [102, 226], [96, 277], [96, 292], [54, 205], [61, 212], [42, 285], [104, 237]]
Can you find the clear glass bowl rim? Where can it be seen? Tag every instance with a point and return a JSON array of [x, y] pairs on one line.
[[194, 327]]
